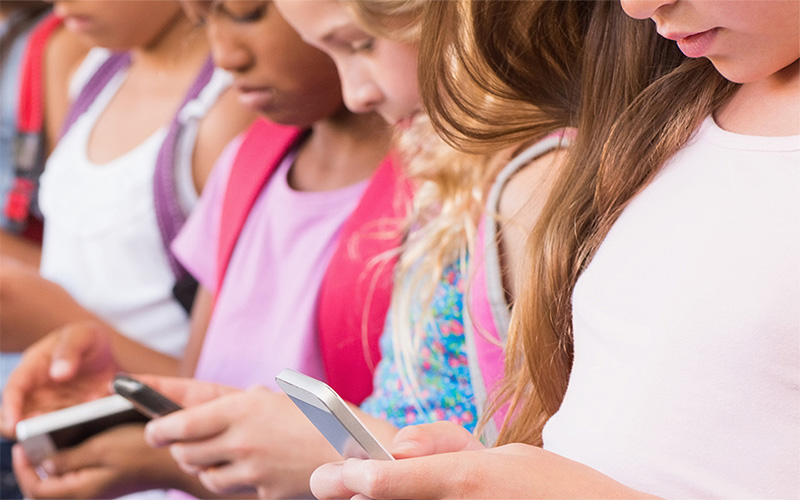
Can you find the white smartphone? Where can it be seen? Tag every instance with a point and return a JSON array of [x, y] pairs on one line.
[[43, 435], [331, 416]]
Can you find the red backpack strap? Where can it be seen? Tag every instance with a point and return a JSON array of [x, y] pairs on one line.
[[262, 150], [357, 287], [29, 145]]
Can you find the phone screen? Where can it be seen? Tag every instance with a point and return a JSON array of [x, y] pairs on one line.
[[332, 429], [66, 437]]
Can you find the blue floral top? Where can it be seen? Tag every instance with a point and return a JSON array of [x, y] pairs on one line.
[[444, 388]]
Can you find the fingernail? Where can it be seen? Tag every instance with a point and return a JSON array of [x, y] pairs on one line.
[[149, 436], [49, 467], [59, 368], [41, 473], [405, 448]]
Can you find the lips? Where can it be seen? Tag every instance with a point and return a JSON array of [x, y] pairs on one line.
[[695, 44], [77, 23], [256, 98]]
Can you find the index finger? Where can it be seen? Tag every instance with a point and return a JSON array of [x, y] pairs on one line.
[[31, 371], [185, 391], [190, 424]]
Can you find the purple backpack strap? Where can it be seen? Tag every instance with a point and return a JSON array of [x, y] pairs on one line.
[[115, 63], [168, 211]]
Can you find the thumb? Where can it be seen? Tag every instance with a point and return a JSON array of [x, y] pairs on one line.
[[431, 439], [75, 345]]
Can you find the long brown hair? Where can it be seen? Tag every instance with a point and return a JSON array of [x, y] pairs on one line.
[[491, 76], [635, 100], [642, 101]]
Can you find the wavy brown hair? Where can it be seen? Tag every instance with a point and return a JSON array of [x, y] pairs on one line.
[[635, 100]]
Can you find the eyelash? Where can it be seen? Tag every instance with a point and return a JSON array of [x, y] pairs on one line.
[[363, 46], [253, 16], [250, 17]]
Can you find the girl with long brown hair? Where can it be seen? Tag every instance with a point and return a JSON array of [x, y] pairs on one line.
[[654, 348]]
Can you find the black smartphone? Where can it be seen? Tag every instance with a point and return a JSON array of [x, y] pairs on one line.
[[146, 399]]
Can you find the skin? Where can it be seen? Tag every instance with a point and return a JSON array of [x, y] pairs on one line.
[[156, 76], [377, 74], [261, 52], [69, 366], [233, 439], [442, 460], [449, 465], [757, 44]]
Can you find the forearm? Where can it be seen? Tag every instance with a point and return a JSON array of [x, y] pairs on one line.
[[24, 251], [134, 357], [192, 485], [31, 307]]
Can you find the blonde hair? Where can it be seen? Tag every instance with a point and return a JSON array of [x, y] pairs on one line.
[[448, 199]]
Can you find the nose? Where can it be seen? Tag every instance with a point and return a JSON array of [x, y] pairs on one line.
[[227, 49], [361, 94], [642, 9]]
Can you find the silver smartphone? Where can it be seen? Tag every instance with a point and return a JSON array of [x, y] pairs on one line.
[[146, 399], [331, 415], [43, 435]]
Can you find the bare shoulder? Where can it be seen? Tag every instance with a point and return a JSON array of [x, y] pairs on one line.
[[225, 120], [525, 192], [520, 205], [63, 55]]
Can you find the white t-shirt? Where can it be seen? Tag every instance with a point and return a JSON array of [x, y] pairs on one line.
[[686, 376], [101, 241]]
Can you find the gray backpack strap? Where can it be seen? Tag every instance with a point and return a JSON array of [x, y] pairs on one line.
[[492, 267]]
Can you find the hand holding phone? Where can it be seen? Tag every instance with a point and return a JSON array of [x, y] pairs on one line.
[[146, 399], [331, 415]]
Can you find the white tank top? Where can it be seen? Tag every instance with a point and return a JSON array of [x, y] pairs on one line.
[[101, 240]]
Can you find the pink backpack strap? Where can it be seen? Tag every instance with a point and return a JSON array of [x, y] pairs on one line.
[[357, 287], [264, 146]]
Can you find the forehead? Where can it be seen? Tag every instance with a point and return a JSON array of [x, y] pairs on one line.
[[317, 20]]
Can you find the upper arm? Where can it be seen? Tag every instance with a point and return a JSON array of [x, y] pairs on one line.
[[225, 120], [201, 316], [521, 204]]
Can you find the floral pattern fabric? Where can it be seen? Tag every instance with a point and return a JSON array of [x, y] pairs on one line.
[[443, 386]]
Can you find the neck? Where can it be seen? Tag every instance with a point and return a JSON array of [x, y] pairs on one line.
[[768, 107], [340, 151], [178, 42]]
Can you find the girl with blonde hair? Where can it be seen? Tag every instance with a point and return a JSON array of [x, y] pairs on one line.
[[655, 350]]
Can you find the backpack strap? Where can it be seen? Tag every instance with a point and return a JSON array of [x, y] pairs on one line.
[[28, 144], [262, 150], [486, 325], [114, 64], [169, 214], [357, 287]]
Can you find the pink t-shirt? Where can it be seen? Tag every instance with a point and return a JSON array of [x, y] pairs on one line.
[[265, 316]]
